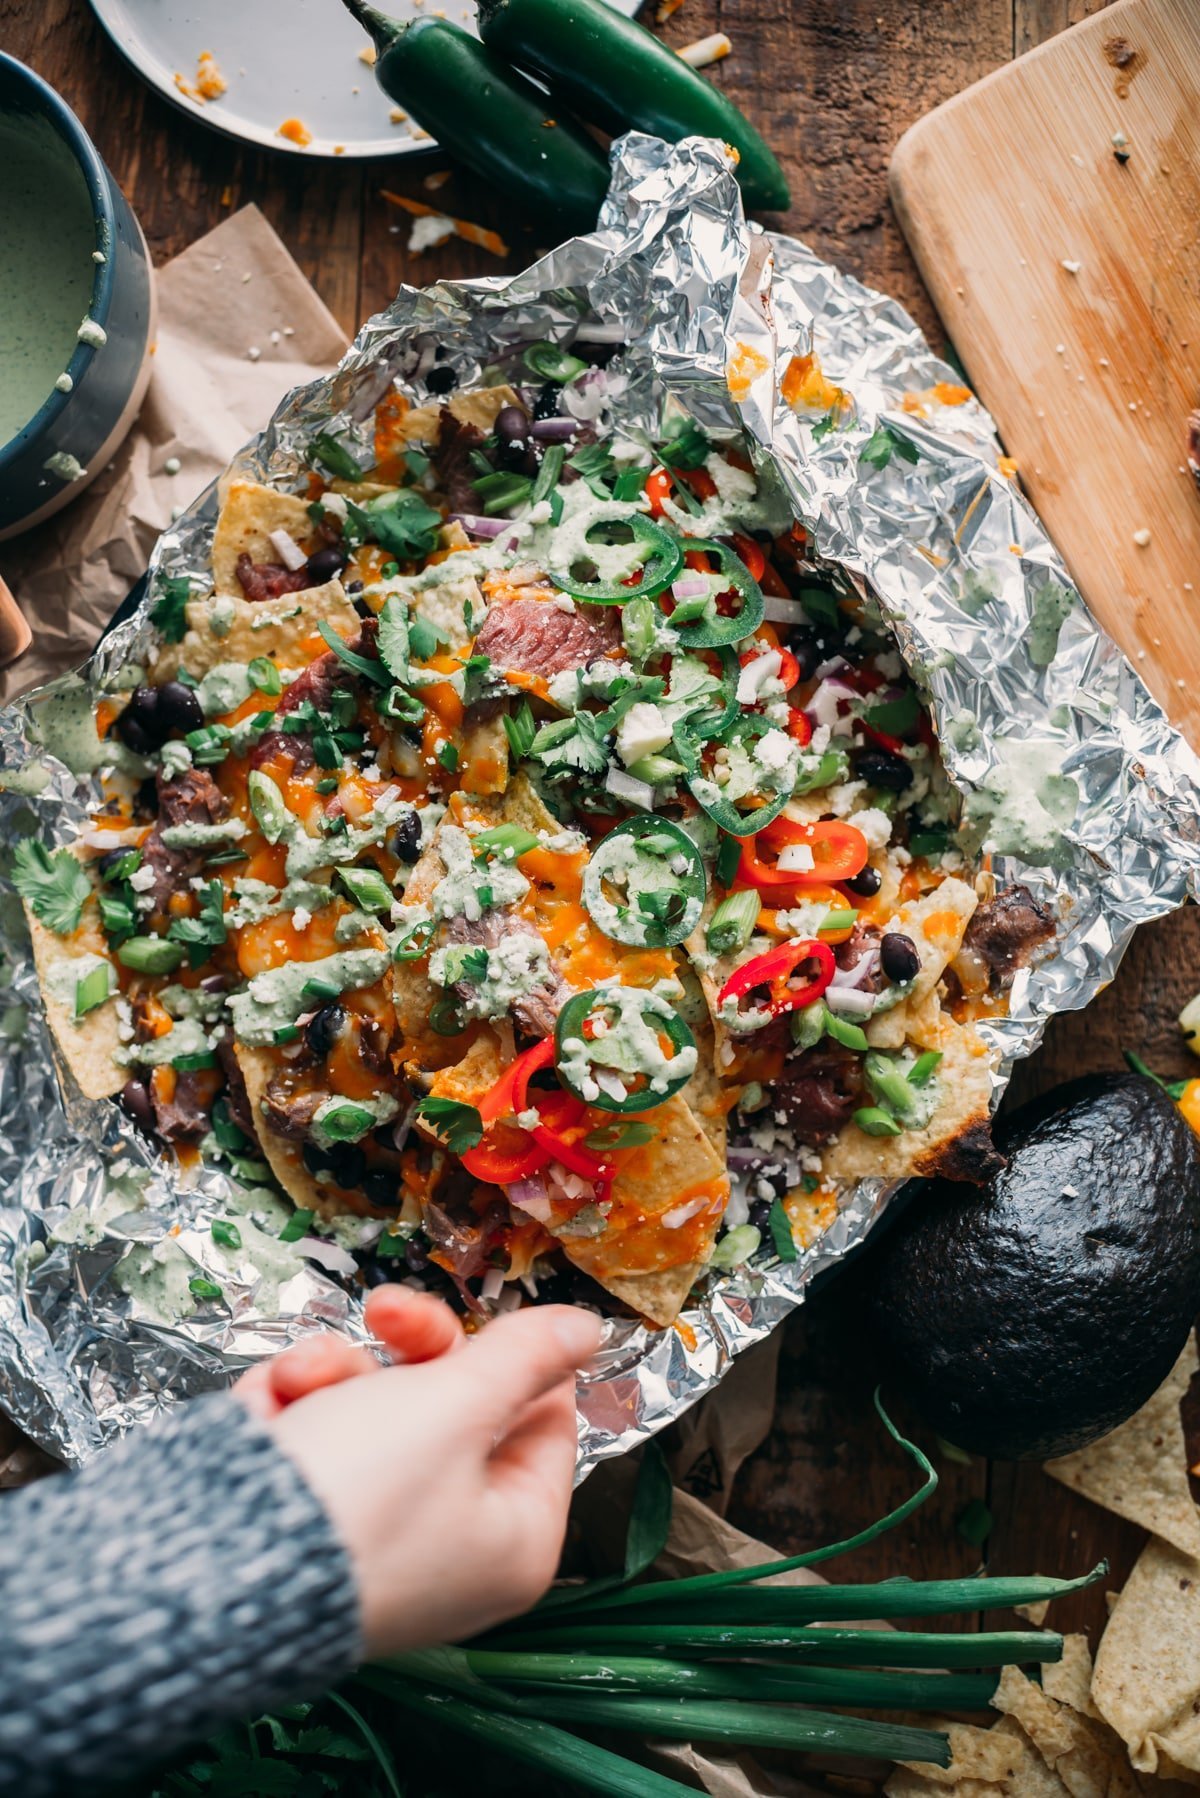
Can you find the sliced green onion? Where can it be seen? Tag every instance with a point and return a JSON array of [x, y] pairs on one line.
[[298, 1225], [267, 803], [193, 1064], [924, 1067], [368, 888], [316, 988], [507, 841], [851, 1036], [875, 1122], [520, 730], [346, 1123], [550, 363], [500, 491], [736, 1247], [888, 1084], [639, 619], [226, 1233], [733, 923], [201, 1287], [839, 919], [265, 676], [547, 475], [729, 855], [325, 449], [150, 955], [93, 989]]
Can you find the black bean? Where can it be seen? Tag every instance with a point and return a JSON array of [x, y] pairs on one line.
[[139, 726], [866, 883], [378, 1273], [760, 1214], [325, 563], [900, 959], [145, 800], [405, 840], [891, 773], [546, 404], [136, 1103], [807, 654], [381, 1188], [315, 1159], [441, 380], [416, 1254], [512, 424], [347, 1164], [322, 1031], [178, 708]]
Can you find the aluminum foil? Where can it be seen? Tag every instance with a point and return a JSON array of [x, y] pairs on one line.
[[1072, 774]]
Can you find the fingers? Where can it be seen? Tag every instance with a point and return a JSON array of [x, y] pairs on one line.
[[412, 1326], [325, 1360], [529, 1479], [521, 1356], [254, 1390]]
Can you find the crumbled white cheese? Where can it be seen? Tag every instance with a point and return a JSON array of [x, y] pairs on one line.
[[875, 825], [642, 731], [774, 751]]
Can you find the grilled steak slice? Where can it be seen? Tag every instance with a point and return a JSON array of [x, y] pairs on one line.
[[530, 636], [819, 1091], [1006, 930], [269, 580]]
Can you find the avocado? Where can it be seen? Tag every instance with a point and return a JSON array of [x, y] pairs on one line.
[[1028, 1317]]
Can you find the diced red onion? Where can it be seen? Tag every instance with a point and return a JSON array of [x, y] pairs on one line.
[[846, 979], [287, 549], [477, 526], [531, 1196], [689, 586], [783, 611], [850, 1000], [627, 787], [553, 430], [510, 1298], [679, 1214]]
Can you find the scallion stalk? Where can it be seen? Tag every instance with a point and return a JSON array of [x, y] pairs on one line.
[[732, 924]]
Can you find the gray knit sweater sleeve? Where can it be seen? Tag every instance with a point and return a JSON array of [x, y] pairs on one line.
[[186, 1577]]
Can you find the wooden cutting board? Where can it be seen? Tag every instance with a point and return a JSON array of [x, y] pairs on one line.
[[1069, 284]]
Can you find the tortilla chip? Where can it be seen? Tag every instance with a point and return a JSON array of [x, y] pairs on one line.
[[1030, 1776], [704, 1093], [476, 1072], [249, 513], [1070, 1680], [480, 409], [632, 1258], [1147, 1678], [445, 607], [1084, 1754], [982, 1762], [267, 627], [935, 924], [956, 1142], [484, 763], [88, 1045], [1140, 1469]]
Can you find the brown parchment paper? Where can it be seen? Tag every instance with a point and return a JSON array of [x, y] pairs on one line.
[[238, 326]]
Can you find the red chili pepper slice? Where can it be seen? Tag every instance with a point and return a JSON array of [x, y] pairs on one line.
[[658, 488], [564, 1118], [789, 667], [799, 726], [751, 554], [507, 1152], [775, 970], [840, 851]]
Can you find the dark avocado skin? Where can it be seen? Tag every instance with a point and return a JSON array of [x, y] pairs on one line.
[[1024, 1322]]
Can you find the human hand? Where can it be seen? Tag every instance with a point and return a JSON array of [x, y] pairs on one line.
[[410, 1326], [447, 1479]]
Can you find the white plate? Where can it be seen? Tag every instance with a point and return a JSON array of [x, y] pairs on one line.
[[282, 59]]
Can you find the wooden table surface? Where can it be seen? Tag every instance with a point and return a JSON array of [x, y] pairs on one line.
[[832, 83]]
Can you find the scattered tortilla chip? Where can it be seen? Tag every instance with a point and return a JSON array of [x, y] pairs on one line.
[[279, 628], [677, 1171], [1070, 1680], [249, 513], [478, 1070], [1075, 1748], [1030, 1776], [483, 765], [1147, 1678], [445, 607], [1140, 1469], [935, 923], [1033, 1613], [957, 1139], [87, 1045]]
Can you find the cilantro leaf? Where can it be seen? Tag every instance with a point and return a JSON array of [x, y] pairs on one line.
[[460, 1126], [424, 639], [400, 523], [520, 730], [883, 443], [55, 886], [168, 613], [205, 933], [595, 466], [391, 642], [572, 743], [894, 716], [781, 1232], [333, 455], [824, 426]]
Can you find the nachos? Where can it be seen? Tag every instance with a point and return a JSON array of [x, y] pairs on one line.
[[519, 841]]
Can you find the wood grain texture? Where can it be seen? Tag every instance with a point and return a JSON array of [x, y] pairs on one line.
[[1068, 283], [834, 83]]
